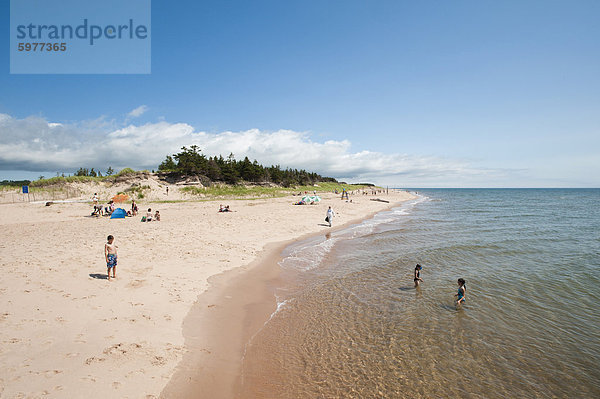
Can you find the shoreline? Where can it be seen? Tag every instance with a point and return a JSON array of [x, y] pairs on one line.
[[68, 332], [227, 315]]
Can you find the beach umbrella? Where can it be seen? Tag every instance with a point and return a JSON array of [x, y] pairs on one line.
[[118, 213], [311, 198], [120, 198]]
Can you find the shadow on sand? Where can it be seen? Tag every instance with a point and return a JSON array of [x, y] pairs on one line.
[[98, 276]]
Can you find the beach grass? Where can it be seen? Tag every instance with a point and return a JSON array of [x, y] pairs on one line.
[[58, 180], [257, 192]]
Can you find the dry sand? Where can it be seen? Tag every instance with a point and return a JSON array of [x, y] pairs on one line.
[[67, 332]]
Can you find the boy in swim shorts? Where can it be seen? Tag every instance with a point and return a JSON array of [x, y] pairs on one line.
[[110, 253], [462, 292]]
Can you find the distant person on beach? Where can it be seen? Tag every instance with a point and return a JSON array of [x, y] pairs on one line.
[[462, 292], [134, 208], [167, 190], [149, 215], [418, 278], [157, 216], [110, 254], [95, 199], [330, 215]]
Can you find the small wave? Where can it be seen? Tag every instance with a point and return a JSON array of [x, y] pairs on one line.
[[280, 305], [309, 255]]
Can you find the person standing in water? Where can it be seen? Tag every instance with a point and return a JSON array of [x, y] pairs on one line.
[[462, 292], [418, 278]]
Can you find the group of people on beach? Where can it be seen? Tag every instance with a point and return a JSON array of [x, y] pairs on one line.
[[149, 217], [100, 210], [109, 208], [462, 287]]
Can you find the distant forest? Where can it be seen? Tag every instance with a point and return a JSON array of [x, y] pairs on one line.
[[191, 162]]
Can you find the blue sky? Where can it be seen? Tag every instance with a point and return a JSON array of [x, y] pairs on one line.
[[420, 94]]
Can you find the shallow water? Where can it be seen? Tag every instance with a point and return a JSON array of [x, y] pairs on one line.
[[351, 324]]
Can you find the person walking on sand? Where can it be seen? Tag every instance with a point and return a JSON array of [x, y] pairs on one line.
[[462, 292], [330, 215], [110, 254], [418, 278]]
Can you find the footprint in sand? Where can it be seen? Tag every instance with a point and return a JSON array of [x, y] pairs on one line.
[[94, 359], [73, 354], [50, 373], [135, 283], [158, 361]]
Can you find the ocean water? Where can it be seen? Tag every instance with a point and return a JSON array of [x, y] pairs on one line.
[[350, 323]]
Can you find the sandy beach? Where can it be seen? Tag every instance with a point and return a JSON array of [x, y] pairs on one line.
[[69, 332]]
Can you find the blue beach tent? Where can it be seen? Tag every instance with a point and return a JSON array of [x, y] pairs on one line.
[[119, 213]]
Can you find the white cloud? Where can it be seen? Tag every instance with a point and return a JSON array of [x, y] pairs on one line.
[[33, 144], [137, 111]]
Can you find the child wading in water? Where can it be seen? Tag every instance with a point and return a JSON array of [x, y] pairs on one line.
[[110, 253], [462, 292], [418, 278]]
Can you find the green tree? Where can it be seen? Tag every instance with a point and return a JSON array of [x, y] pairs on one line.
[[228, 171], [190, 161], [213, 171], [168, 164]]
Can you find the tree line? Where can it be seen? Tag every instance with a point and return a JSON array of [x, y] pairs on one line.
[[191, 162], [92, 172]]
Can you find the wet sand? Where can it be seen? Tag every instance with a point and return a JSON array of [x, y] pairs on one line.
[[68, 332], [225, 318]]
